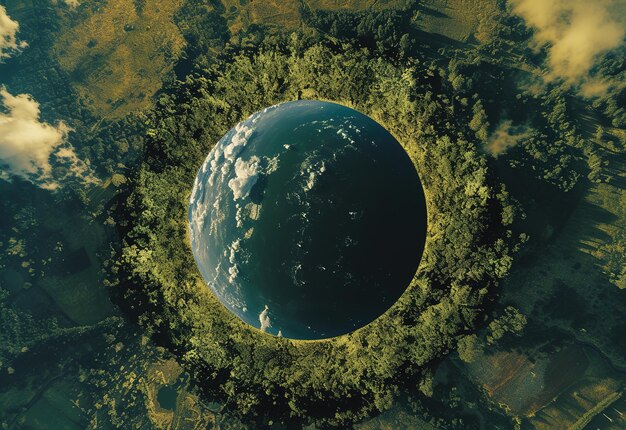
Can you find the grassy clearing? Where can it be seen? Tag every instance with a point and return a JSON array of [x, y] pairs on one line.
[[335, 5], [578, 405], [188, 412], [460, 20], [286, 14], [283, 14], [505, 373], [117, 55], [523, 386], [562, 389], [356, 5], [571, 280]]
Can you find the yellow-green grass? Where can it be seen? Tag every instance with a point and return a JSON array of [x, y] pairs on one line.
[[282, 14], [355, 5], [461, 20], [188, 413], [565, 389], [117, 58], [286, 14], [523, 387], [576, 407]]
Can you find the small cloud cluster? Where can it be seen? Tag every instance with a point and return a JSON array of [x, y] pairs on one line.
[[577, 32], [8, 35], [233, 270], [312, 172], [27, 145], [264, 319], [226, 151], [246, 175]]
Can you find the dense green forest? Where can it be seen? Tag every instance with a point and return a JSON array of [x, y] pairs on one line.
[[469, 246]]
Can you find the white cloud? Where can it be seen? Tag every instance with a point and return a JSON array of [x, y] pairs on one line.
[[27, 145], [264, 319], [233, 271], [77, 167], [246, 175], [8, 35], [312, 172], [234, 247], [238, 141], [226, 151], [577, 32]]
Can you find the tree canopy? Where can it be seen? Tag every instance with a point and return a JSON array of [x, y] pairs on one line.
[[339, 380]]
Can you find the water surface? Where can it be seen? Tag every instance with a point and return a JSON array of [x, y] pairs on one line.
[[308, 220]]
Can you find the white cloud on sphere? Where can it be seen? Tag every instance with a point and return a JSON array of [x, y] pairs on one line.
[[246, 175], [28, 145], [264, 319], [8, 35], [577, 33]]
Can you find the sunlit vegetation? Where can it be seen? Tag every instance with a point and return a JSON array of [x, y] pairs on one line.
[[458, 84], [256, 375], [277, 14], [118, 52], [474, 19]]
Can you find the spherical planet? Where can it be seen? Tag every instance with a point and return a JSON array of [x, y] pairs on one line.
[[307, 220]]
